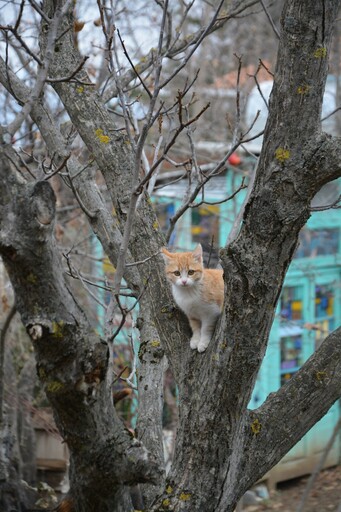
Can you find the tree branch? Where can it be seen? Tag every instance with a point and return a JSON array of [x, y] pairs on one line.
[[302, 401]]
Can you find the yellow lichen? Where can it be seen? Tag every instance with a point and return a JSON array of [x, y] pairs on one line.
[[185, 496], [282, 154], [303, 89], [101, 137], [256, 427], [54, 386], [320, 53], [169, 489], [80, 89], [57, 329], [42, 374], [155, 225], [321, 376], [155, 343], [166, 503], [31, 278]]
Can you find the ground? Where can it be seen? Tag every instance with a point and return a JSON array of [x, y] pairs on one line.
[[325, 495]]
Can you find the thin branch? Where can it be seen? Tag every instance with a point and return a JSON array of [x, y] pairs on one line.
[[195, 47], [268, 15], [237, 222], [181, 47], [21, 9], [140, 262], [132, 65], [87, 212], [39, 11], [9, 28], [242, 186], [59, 168], [71, 76], [170, 144], [214, 172], [331, 114]]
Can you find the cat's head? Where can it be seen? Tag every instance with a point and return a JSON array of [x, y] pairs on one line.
[[184, 269]]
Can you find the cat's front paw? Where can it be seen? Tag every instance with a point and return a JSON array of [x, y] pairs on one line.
[[202, 346], [195, 340]]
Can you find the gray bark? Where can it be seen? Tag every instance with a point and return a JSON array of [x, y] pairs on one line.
[[222, 448]]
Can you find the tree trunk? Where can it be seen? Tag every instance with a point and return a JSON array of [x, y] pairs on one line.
[[222, 448], [71, 359]]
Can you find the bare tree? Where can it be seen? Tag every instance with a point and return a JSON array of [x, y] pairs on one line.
[[222, 448]]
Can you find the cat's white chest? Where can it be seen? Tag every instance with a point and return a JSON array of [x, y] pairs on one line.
[[189, 299]]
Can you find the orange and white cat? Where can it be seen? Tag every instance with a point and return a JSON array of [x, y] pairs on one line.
[[198, 291]]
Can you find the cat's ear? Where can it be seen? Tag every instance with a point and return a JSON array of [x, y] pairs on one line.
[[197, 253], [167, 256]]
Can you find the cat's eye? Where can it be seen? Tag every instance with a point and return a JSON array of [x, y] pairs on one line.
[[176, 273], [191, 272]]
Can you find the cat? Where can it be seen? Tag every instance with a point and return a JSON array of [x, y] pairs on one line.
[[198, 291]]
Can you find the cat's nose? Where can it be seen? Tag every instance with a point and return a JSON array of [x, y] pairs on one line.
[[184, 281]]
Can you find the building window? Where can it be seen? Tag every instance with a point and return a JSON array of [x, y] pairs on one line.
[[291, 329], [291, 303], [324, 312], [205, 225], [291, 356]]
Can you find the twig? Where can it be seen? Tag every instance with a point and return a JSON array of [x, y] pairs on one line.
[[118, 375], [195, 47], [152, 182], [259, 88], [9, 28], [39, 11], [170, 144], [331, 114], [70, 77], [266, 68], [242, 186], [59, 168], [132, 65], [138, 152], [21, 9], [142, 261], [274, 28], [87, 212], [215, 171], [236, 224]]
